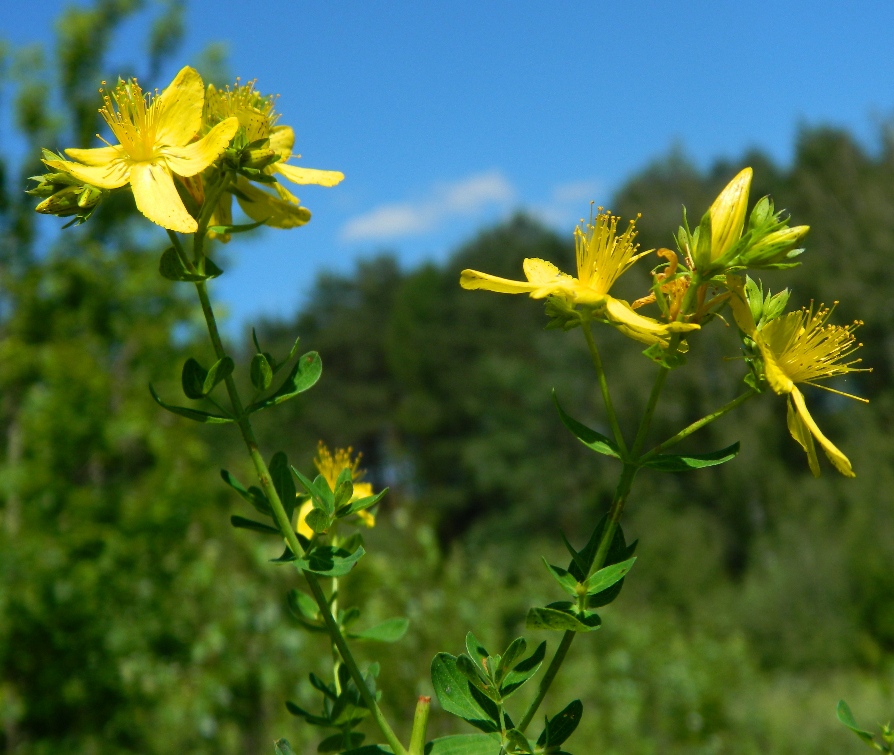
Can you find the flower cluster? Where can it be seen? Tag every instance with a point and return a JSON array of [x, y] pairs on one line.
[[172, 145]]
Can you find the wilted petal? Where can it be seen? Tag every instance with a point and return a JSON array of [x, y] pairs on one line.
[[838, 459], [309, 175], [195, 157], [178, 109], [109, 176], [157, 198], [619, 311], [266, 208]]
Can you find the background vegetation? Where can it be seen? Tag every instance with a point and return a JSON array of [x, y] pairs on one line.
[[133, 618]]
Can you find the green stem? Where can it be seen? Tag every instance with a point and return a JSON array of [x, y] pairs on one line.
[[699, 424], [646, 421], [608, 534], [603, 387], [335, 655], [420, 726], [282, 519]]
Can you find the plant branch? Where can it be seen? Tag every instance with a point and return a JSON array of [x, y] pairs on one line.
[[603, 387]]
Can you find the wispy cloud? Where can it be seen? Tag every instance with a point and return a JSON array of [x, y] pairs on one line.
[[466, 198]]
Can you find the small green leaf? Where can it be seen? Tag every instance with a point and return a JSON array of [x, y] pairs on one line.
[[193, 414], [361, 504], [343, 492], [590, 438], [523, 671], [319, 492], [329, 562], [219, 371], [607, 576], [260, 372], [469, 669], [319, 521], [241, 522], [282, 747], [455, 695], [561, 620], [304, 608], [224, 229], [192, 378], [847, 718], [561, 726], [390, 630], [309, 717], [281, 476], [253, 495], [477, 652], [518, 741], [675, 463], [565, 579], [515, 651], [172, 268], [304, 375]]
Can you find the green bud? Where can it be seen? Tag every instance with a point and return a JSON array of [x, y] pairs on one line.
[[63, 203]]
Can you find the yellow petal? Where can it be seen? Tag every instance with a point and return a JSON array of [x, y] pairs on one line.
[[542, 272], [157, 198], [178, 109], [472, 279], [195, 157], [778, 380], [801, 433], [266, 208], [621, 312], [739, 304], [728, 213], [838, 459], [362, 490], [302, 527], [97, 156], [282, 140], [109, 176], [368, 519], [309, 175]]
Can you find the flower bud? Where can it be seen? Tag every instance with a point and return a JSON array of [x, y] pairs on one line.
[[728, 214]]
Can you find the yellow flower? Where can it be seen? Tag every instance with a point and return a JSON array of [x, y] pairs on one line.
[[256, 115], [155, 135], [800, 347], [602, 257], [330, 466], [728, 214]]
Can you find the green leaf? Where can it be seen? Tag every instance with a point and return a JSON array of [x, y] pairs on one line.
[[253, 495], [515, 651], [224, 229], [455, 695], [608, 576], [518, 741], [318, 490], [361, 504], [561, 726], [282, 747], [338, 742], [469, 669], [172, 268], [304, 375], [281, 476], [477, 652], [260, 372], [565, 579], [464, 744], [249, 524], [847, 718], [675, 463], [329, 562], [390, 630], [523, 671], [561, 620], [304, 608], [590, 438], [309, 717], [193, 414], [319, 521], [219, 371]]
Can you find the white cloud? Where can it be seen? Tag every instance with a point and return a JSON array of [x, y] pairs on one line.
[[464, 198]]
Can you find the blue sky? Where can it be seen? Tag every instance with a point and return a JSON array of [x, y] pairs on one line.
[[448, 116]]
